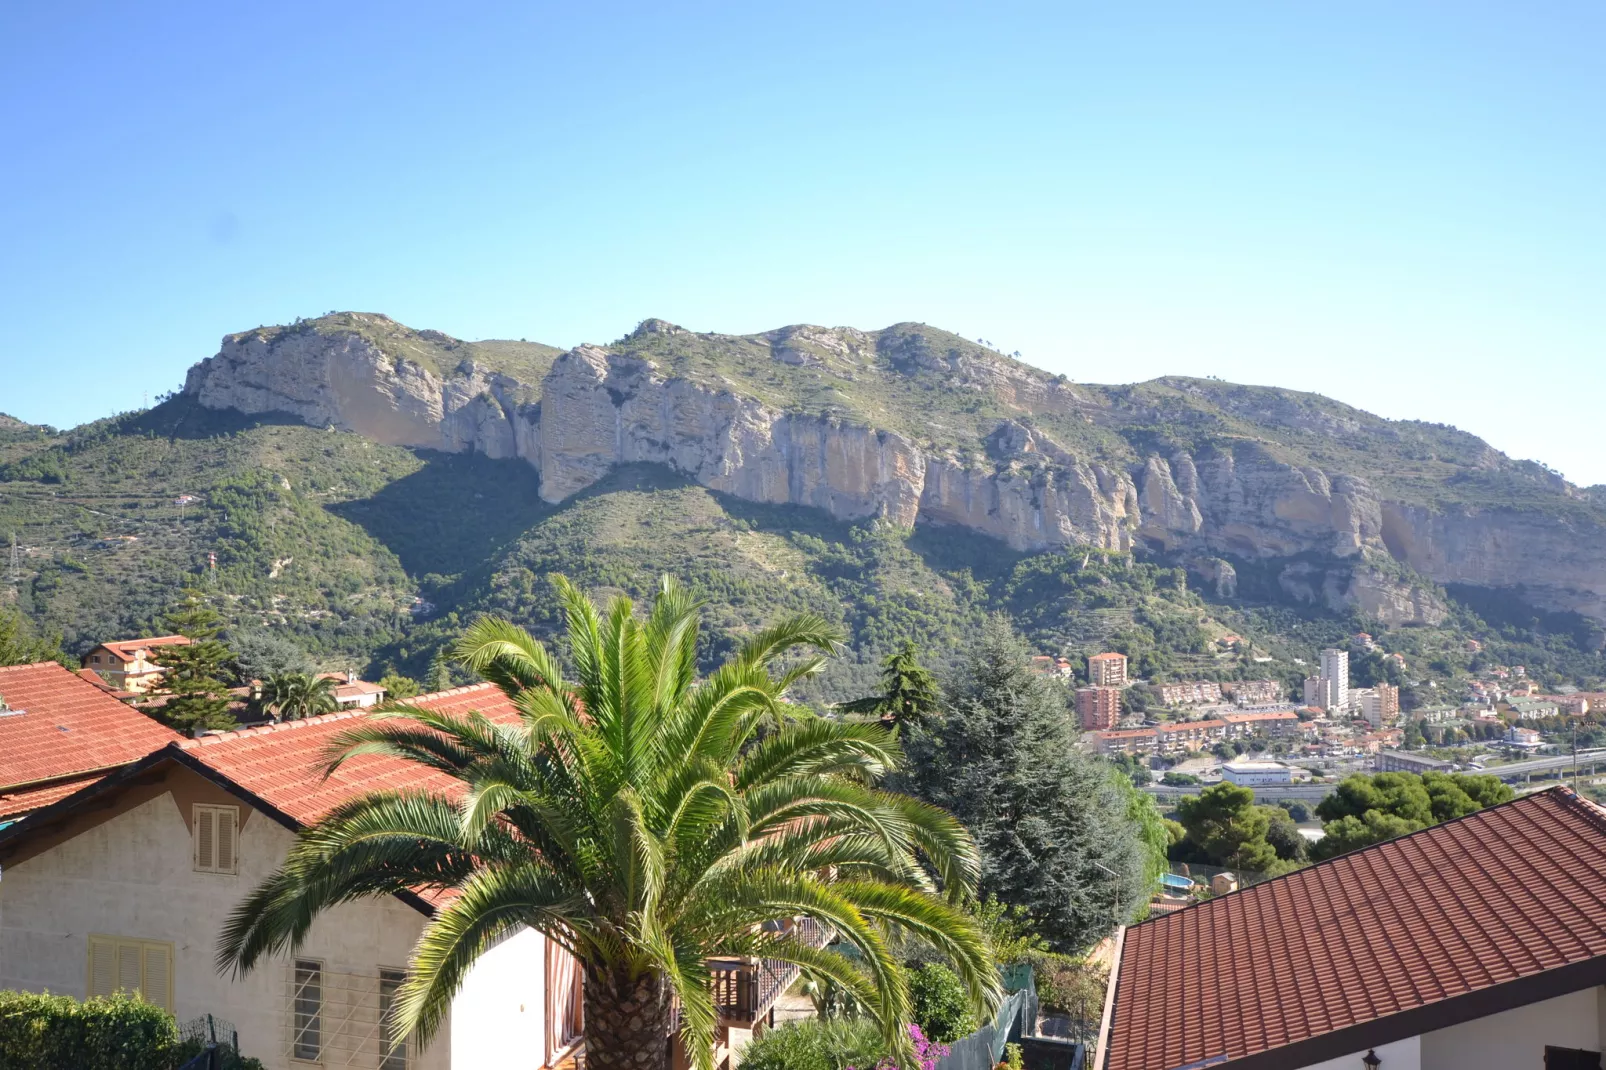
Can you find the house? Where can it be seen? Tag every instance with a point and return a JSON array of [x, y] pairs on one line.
[[1476, 943], [59, 732], [1107, 670], [130, 664], [128, 881], [352, 693]]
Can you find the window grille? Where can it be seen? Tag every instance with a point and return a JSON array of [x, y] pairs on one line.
[[307, 1044]]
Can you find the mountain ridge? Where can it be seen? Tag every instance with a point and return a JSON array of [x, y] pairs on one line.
[[913, 423]]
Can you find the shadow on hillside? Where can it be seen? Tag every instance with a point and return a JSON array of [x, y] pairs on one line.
[[185, 418], [453, 515]]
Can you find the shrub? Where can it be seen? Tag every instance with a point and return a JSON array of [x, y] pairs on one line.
[[817, 1044], [119, 1033], [940, 1007]]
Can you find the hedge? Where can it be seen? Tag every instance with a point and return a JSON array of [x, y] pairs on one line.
[[60, 1033]]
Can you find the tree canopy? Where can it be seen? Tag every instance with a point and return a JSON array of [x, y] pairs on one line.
[[909, 691], [192, 673], [1369, 808], [1061, 833]]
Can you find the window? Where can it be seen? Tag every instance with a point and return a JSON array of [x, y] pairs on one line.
[[216, 836], [307, 1011], [122, 964], [393, 1056]]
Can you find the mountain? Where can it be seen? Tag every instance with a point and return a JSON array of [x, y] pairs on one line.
[[915, 425], [363, 490]]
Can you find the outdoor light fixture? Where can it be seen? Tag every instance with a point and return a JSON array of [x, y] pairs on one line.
[[1372, 1061]]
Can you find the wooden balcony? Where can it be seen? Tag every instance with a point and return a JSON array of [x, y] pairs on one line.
[[745, 989]]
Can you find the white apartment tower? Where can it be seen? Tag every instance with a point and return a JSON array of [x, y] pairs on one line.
[[1335, 679]]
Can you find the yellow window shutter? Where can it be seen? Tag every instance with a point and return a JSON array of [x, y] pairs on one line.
[[227, 817], [157, 985], [102, 966], [205, 832], [128, 967]]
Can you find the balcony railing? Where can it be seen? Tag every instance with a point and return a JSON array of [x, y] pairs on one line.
[[745, 989]]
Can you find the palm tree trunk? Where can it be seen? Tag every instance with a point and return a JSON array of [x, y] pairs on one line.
[[626, 1021]]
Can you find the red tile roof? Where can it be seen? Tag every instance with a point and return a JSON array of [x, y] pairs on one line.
[[1508, 893], [1107, 657], [66, 726], [14, 804], [127, 648], [283, 763]]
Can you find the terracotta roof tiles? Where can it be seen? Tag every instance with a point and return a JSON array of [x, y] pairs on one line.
[[127, 648], [1507, 893], [283, 763], [66, 726]]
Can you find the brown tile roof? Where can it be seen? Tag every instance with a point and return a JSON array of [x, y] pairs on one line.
[[66, 726], [127, 648], [282, 764], [14, 804], [1107, 657], [1506, 894]]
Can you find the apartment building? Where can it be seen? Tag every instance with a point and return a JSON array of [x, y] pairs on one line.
[[1107, 670], [1189, 693], [1098, 708]]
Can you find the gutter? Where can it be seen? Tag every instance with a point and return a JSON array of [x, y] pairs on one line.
[[1101, 1053]]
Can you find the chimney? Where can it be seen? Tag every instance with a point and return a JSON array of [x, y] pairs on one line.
[[351, 677]]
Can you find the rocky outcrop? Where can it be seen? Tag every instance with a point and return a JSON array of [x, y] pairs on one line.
[[599, 408], [344, 380]]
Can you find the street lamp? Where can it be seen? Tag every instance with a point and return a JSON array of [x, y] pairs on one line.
[[1372, 1061]]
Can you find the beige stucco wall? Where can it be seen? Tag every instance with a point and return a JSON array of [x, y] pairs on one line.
[[133, 876]]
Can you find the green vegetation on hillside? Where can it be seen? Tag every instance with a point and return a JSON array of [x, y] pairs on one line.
[[372, 557]]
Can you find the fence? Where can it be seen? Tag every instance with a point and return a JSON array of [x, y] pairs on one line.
[[1016, 1022]]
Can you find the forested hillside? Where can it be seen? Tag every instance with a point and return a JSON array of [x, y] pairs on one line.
[[374, 556]]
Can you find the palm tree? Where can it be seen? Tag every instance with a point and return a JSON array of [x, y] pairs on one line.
[[645, 820], [294, 695], [909, 692]]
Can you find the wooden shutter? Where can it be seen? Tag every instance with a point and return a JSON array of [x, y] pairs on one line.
[[205, 834], [227, 818], [157, 983], [217, 837], [128, 966], [102, 966]]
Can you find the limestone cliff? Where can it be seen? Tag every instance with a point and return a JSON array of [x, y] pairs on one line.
[[909, 425]]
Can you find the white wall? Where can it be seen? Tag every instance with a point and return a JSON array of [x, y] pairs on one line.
[[1401, 1055], [1512, 1040], [133, 876], [499, 1017], [1516, 1038]]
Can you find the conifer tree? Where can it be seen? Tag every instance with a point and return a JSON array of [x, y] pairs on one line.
[[1003, 759], [909, 691], [192, 673]]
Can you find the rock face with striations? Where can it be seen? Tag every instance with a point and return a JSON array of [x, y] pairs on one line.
[[1238, 491]]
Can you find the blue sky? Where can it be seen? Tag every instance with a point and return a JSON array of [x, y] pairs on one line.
[[1396, 204]]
